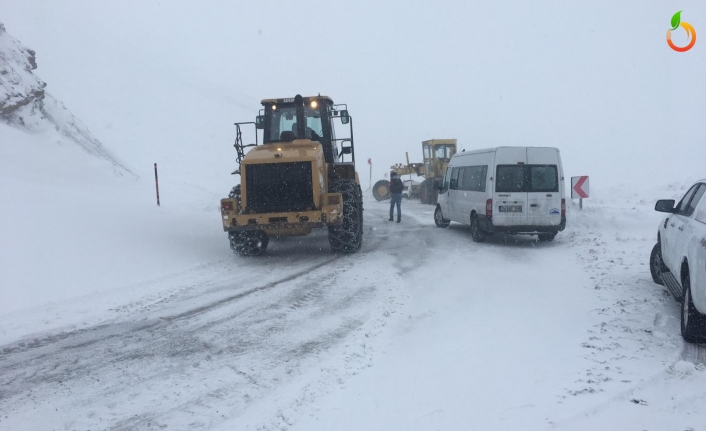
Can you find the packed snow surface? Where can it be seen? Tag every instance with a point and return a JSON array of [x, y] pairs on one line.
[[133, 316]]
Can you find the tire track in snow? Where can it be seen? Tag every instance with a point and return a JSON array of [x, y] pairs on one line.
[[132, 363]]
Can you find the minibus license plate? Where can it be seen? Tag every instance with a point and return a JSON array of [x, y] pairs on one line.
[[510, 208]]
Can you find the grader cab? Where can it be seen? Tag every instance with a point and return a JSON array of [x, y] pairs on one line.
[[436, 156], [300, 178]]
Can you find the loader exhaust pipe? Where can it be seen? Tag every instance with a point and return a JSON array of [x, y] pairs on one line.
[[301, 118]]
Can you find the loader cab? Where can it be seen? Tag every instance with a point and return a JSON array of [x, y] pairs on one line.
[[436, 153], [288, 119]]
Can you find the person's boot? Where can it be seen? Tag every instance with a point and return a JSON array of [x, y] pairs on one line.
[[399, 219], [390, 219]]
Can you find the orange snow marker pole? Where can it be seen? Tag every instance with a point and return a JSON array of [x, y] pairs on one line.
[[156, 183]]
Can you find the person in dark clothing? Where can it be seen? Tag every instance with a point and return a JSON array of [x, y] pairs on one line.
[[396, 188]]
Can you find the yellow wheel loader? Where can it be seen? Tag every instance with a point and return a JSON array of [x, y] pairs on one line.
[[301, 177], [437, 154]]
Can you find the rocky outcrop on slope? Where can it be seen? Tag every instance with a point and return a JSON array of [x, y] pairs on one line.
[[25, 104]]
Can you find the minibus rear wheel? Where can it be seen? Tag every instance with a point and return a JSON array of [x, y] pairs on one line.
[[476, 233]]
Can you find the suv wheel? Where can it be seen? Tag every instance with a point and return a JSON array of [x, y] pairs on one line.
[[693, 323], [657, 267]]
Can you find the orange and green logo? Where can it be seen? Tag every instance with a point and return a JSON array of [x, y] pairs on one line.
[[690, 32]]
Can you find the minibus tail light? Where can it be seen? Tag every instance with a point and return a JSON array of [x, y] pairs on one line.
[[563, 207], [489, 208]]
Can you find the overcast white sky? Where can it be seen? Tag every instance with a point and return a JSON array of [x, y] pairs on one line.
[[161, 81]]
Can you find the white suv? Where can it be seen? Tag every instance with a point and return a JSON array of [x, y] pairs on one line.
[[678, 259]]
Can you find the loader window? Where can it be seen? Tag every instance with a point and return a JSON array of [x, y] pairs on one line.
[[444, 152], [283, 126], [313, 122], [284, 119]]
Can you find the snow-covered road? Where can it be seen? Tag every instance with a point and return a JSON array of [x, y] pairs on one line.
[[423, 329]]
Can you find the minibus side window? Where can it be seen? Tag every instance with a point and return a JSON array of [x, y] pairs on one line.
[[447, 178], [474, 178], [455, 178]]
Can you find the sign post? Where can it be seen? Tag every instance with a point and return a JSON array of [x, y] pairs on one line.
[[579, 189], [156, 183], [370, 162]]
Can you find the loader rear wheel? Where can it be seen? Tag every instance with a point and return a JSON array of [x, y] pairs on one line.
[[348, 238], [427, 193], [381, 190], [248, 242]]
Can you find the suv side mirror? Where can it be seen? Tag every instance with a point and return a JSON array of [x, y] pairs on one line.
[[344, 117], [260, 122], [665, 206]]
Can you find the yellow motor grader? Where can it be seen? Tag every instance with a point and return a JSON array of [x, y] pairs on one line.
[[300, 178], [437, 153]]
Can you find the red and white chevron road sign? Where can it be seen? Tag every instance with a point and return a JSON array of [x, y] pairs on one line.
[[579, 187]]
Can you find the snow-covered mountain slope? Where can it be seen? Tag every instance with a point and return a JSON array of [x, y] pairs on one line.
[[25, 104], [74, 220]]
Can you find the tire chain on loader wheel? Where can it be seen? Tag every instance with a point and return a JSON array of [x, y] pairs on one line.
[[348, 237], [381, 190], [426, 192], [248, 242]]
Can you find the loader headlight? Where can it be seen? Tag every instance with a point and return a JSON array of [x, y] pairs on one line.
[[314, 104], [274, 107], [227, 206]]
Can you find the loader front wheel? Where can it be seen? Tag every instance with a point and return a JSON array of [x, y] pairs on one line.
[[348, 237], [248, 242], [381, 190]]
